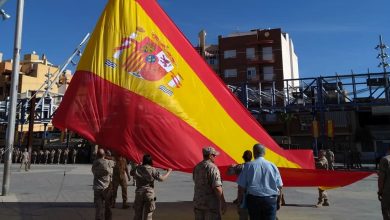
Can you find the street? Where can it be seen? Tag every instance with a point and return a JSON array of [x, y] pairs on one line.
[[65, 192]]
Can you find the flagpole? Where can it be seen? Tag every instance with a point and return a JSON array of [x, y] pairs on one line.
[[10, 135]]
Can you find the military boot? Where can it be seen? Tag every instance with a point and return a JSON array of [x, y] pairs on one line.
[[125, 205], [326, 203]]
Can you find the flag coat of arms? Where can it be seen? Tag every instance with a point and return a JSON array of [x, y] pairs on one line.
[[140, 87]]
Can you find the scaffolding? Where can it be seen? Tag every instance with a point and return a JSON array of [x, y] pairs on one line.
[[357, 92]]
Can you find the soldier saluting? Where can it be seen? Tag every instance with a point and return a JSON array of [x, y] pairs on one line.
[[145, 175]]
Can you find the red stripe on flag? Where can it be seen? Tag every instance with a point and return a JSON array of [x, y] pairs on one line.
[[311, 177], [134, 124]]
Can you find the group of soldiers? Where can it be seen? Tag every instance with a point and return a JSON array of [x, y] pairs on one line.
[[209, 202], [44, 156], [110, 172]]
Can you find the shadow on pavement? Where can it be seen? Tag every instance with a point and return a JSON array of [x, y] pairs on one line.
[[76, 211], [301, 205]]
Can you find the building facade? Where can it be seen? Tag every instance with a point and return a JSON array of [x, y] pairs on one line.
[[34, 72], [37, 75], [258, 57]]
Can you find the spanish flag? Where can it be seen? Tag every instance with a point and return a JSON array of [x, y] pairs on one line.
[[140, 87]]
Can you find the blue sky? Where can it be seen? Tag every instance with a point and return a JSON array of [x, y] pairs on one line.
[[334, 36]]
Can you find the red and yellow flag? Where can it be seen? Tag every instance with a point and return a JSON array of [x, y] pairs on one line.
[[141, 87]]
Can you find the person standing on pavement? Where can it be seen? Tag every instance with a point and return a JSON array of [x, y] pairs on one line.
[[25, 159], [236, 169], [209, 200], [322, 163], [261, 182], [120, 176], [41, 157], [330, 158], [58, 156], [102, 170], [384, 185], [74, 155], [34, 157], [145, 198], [66, 155], [46, 158], [52, 154]]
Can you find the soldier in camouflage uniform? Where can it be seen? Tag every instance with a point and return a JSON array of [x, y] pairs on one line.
[[384, 185], [66, 155], [74, 155], [102, 170], [52, 154], [47, 152], [41, 156], [120, 177], [34, 157], [25, 159], [1, 154], [145, 175], [209, 201], [330, 158], [322, 163], [58, 156]]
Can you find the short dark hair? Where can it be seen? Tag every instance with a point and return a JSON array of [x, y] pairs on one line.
[[258, 150], [147, 160], [247, 156]]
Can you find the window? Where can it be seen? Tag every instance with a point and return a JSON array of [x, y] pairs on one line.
[[267, 53], [268, 72], [250, 53], [229, 54], [212, 60], [230, 73], [251, 73]]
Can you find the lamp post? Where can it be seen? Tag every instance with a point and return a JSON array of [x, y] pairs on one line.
[[10, 135]]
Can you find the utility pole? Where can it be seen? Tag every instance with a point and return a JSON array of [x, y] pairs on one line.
[[10, 135], [383, 57]]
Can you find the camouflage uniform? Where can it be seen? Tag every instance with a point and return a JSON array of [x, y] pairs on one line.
[[384, 174], [41, 157], [1, 154], [25, 160], [102, 172], [330, 158], [74, 156], [52, 154], [34, 157], [144, 202], [322, 163], [206, 177], [47, 152], [66, 155], [120, 176], [58, 155]]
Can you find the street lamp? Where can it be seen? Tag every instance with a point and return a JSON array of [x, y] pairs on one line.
[[4, 15], [10, 135]]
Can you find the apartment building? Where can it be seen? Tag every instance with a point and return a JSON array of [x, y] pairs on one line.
[[259, 56]]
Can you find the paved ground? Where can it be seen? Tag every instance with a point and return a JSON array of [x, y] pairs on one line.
[[64, 192]]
